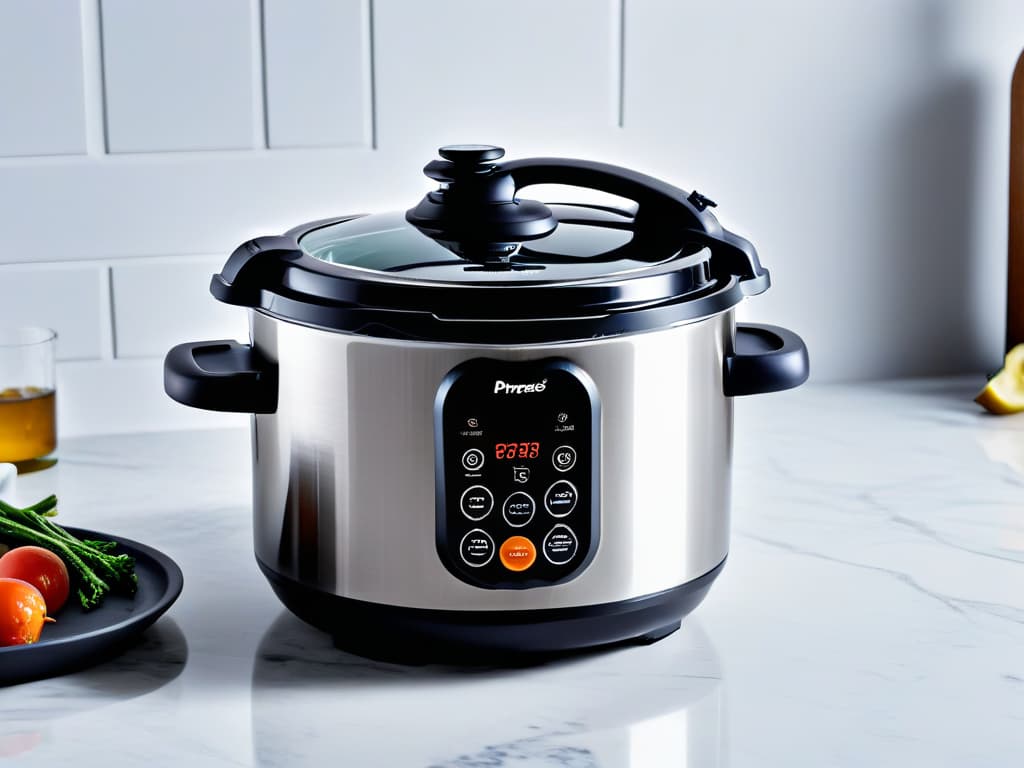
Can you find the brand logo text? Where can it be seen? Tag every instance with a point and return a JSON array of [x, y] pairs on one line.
[[519, 389]]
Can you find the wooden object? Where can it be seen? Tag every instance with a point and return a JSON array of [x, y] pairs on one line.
[[1015, 274]]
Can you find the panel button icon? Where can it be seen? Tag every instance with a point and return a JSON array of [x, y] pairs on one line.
[[473, 459], [560, 545], [476, 548], [564, 458], [476, 502], [518, 553], [518, 509], [561, 498], [521, 474]]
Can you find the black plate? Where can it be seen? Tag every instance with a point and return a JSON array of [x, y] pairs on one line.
[[81, 639]]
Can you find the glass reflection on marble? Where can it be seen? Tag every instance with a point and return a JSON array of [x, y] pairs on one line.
[[636, 707]]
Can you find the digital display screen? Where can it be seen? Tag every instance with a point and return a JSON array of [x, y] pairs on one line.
[[521, 450]]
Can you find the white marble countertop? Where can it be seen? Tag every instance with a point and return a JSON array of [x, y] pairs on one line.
[[871, 613]]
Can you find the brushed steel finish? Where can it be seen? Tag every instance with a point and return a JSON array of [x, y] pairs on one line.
[[344, 471]]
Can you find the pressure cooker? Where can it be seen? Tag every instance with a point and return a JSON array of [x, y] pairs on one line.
[[490, 424]]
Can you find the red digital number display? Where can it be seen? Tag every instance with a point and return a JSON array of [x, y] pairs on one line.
[[516, 450]]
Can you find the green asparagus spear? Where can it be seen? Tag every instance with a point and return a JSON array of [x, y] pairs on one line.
[[97, 567]]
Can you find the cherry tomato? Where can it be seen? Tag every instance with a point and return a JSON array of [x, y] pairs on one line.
[[41, 568], [22, 612]]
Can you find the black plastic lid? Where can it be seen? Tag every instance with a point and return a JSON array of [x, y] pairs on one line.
[[529, 272]]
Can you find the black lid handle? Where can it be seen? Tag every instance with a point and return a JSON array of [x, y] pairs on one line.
[[650, 194], [654, 198], [478, 213]]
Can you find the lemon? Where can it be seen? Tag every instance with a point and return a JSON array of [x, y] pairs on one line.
[[1004, 392]]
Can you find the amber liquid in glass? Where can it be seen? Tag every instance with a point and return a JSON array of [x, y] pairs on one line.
[[28, 423]]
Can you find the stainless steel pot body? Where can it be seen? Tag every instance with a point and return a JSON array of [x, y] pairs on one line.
[[344, 480]]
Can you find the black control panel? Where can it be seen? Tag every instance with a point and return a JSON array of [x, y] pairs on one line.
[[517, 447]]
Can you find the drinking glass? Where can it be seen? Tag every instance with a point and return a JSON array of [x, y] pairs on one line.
[[28, 412]]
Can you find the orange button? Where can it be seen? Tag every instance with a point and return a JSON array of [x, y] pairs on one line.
[[518, 553]]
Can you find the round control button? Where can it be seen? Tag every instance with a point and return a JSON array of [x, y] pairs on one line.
[[518, 509], [564, 458], [561, 498], [476, 502], [476, 548], [473, 459], [560, 545], [518, 553]]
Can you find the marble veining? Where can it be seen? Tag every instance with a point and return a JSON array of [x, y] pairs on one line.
[[871, 613]]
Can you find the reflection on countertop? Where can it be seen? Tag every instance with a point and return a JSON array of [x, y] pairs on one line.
[[153, 661], [621, 707], [871, 613], [1003, 441]]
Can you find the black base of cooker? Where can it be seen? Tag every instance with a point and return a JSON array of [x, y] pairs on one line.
[[421, 636]]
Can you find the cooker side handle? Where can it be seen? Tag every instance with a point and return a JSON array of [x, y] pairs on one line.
[[765, 358], [221, 376]]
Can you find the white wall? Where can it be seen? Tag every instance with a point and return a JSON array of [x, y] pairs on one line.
[[860, 145]]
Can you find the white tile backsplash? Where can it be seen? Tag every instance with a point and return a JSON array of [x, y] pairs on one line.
[[317, 65], [41, 91], [180, 203], [71, 299], [450, 71], [163, 302], [178, 75], [852, 169], [862, 147]]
